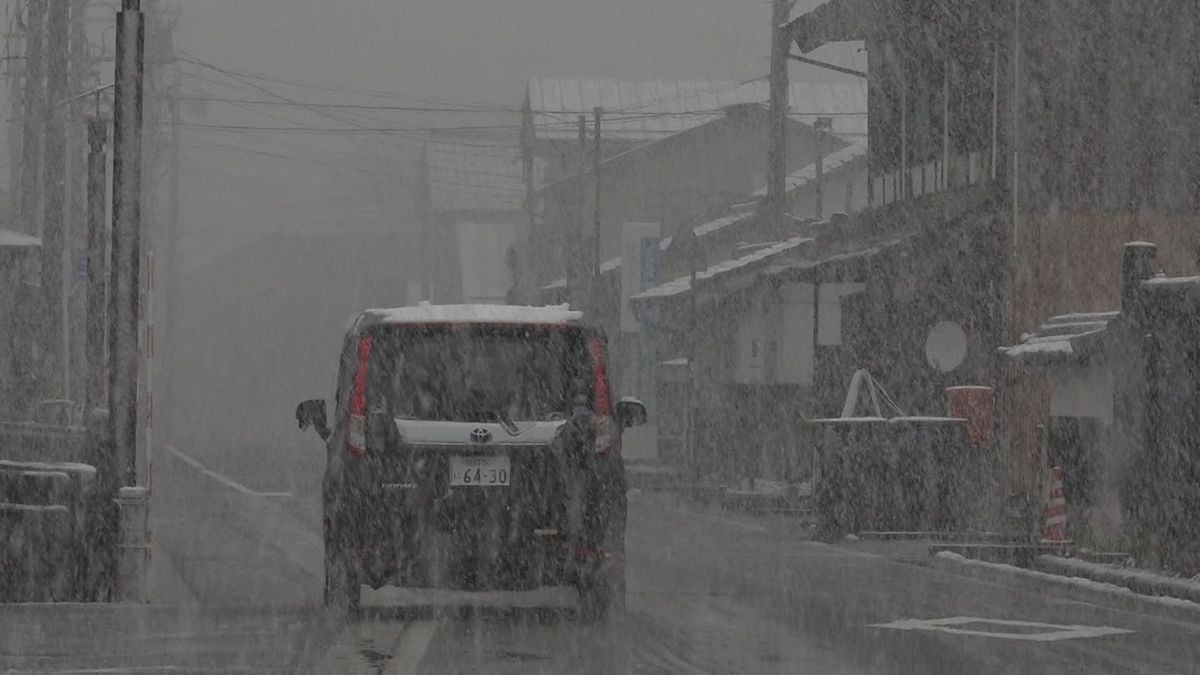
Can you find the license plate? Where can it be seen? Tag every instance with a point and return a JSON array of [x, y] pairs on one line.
[[480, 471]]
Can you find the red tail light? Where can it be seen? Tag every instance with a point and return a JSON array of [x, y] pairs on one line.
[[356, 438], [603, 403], [602, 400]]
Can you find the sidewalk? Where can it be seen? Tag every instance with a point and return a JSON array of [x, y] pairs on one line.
[[1039, 568]]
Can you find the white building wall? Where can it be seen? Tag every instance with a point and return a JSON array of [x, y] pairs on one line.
[[482, 251]]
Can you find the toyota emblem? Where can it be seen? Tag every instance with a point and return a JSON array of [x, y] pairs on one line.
[[480, 435]]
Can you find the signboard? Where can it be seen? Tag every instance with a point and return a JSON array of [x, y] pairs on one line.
[[641, 267], [750, 340]]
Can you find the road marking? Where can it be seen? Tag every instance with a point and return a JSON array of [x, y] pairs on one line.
[[390, 647], [360, 647], [726, 521], [1049, 632], [222, 479], [409, 650]]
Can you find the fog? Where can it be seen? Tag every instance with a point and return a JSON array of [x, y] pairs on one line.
[[351, 188], [619, 336]]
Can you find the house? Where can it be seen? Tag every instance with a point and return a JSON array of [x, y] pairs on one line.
[[1049, 133], [636, 113], [672, 152], [476, 207], [1123, 412]]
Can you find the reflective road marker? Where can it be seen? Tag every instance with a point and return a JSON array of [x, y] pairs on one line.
[[1017, 630]]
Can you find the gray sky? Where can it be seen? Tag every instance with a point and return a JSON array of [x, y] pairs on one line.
[[465, 51], [483, 49]]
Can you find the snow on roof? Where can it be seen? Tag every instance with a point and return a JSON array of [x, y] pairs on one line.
[[795, 181], [11, 239], [1171, 282], [833, 161], [799, 268], [1060, 337], [683, 284], [505, 314], [650, 110]]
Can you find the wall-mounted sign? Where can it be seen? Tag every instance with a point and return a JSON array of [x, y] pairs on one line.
[[641, 264], [946, 346]]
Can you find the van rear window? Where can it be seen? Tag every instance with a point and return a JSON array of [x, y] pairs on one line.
[[477, 373]]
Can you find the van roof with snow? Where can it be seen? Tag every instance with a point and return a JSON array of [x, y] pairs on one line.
[[426, 313]]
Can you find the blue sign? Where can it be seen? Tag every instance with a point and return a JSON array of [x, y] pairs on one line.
[[651, 256], [81, 271]]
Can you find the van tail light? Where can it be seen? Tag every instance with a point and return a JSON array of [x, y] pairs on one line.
[[606, 430], [356, 438], [603, 402]]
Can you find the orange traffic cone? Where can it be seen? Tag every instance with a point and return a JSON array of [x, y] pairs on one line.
[[1055, 531]]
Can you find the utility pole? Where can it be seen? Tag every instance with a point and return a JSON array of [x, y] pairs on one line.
[[54, 292], [777, 142], [423, 217], [171, 293], [823, 125], [13, 82], [685, 245], [31, 142], [126, 236], [594, 277], [81, 72], [97, 179], [576, 278]]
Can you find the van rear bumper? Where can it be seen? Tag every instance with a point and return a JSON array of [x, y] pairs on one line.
[[453, 562]]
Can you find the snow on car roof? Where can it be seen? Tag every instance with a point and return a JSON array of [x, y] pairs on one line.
[[428, 313]]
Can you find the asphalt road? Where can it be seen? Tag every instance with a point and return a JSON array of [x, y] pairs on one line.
[[709, 592]]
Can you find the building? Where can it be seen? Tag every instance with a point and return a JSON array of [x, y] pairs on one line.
[[1040, 132], [672, 152], [1123, 414], [476, 212]]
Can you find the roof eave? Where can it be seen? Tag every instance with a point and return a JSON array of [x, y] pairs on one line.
[[834, 21]]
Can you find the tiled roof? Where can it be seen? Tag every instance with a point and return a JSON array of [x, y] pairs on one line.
[[795, 181], [683, 284], [650, 110], [832, 162]]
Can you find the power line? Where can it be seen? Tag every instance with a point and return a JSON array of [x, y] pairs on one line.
[[437, 179], [373, 93], [358, 106]]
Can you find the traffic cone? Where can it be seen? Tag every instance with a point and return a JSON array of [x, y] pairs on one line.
[[1055, 531]]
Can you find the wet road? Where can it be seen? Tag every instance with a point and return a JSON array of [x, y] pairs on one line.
[[709, 592]]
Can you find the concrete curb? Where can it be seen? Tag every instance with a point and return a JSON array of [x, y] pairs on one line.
[[1139, 581], [1076, 588]]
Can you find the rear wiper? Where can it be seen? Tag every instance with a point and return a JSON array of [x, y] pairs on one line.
[[507, 422]]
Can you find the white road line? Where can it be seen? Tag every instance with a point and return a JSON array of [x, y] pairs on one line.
[[1048, 632], [726, 521], [410, 649], [360, 647], [222, 479]]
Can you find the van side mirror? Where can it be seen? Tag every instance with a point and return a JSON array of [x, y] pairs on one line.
[[631, 412], [312, 413]]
